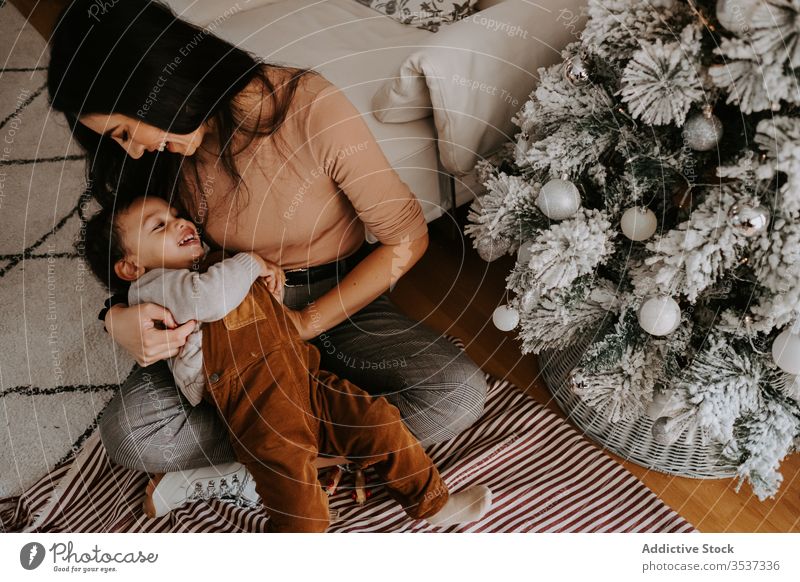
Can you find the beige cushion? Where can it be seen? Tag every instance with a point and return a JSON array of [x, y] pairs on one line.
[[476, 74]]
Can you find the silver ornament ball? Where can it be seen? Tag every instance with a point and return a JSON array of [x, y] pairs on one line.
[[575, 71], [702, 132], [490, 249], [559, 199], [748, 220]]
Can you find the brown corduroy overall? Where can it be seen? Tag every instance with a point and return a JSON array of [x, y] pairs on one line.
[[281, 410]]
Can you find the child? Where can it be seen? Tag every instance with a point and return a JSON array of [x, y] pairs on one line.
[[248, 360]]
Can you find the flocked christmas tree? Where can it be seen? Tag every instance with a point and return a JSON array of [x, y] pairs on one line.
[[653, 200]]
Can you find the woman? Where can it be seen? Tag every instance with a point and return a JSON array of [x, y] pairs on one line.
[[264, 158]]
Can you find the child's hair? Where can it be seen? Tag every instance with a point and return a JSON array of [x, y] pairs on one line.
[[101, 246]]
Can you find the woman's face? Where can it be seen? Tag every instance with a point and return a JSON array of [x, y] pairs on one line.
[[136, 136]]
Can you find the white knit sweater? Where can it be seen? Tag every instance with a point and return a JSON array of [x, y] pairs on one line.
[[204, 297]]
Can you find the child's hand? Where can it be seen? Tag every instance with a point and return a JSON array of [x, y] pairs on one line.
[[274, 277]]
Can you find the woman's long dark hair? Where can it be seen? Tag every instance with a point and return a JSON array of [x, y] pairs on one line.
[[110, 58]]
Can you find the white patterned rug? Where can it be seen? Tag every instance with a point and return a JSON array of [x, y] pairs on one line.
[[58, 368]]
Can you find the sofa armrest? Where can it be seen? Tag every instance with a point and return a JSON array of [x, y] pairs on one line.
[[475, 74], [205, 12]]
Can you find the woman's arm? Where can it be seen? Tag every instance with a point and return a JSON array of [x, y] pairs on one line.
[[376, 273], [345, 148], [146, 331]]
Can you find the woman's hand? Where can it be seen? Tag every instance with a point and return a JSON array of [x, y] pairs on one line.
[[301, 323], [373, 275], [136, 329]]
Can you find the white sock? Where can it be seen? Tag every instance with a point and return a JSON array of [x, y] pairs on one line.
[[463, 507]]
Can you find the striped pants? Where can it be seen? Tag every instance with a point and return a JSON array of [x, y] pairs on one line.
[[150, 426]]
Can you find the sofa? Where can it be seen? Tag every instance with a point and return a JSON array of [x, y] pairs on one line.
[[436, 102]]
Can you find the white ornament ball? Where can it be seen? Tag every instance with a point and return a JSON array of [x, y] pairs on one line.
[[786, 352], [505, 318], [559, 199], [736, 15], [491, 249], [660, 315], [702, 132], [638, 223]]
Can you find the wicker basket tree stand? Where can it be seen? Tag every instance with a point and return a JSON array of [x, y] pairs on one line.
[[632, 439]]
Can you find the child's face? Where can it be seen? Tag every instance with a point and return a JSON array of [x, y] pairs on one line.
[[154, 236]]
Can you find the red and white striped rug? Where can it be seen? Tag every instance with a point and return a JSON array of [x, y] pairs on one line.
[[544, 475]]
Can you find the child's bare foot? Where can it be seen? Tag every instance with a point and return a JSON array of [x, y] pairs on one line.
[[148, 505], [463, 507]]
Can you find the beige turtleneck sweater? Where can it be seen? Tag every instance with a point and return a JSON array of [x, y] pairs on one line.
[[310, 208]]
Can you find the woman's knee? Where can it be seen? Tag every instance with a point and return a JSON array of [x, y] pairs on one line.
[[120, 441], [445, 406], [132, 420], [126, 449], [149, 426]]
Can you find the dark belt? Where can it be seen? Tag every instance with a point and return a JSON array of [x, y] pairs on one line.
[[298, 277]]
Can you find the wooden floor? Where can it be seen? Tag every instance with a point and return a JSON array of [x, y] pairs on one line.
[[454, 291]]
